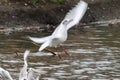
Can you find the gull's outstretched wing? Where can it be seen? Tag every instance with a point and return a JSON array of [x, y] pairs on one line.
[[5, 73], [39, 40], [76, 14], [23, 72]]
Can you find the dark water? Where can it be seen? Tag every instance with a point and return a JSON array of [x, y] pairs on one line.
[[94, 54]]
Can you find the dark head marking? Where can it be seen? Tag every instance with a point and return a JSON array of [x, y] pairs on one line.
[[66, 22]]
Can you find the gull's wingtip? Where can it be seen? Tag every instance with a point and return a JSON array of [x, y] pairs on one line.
[[40, 49], [34, 39], [29, 37], [83, 3]]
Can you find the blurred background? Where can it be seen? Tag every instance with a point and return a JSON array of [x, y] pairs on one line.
[[14, 13]]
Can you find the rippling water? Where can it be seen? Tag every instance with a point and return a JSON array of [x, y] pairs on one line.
[[94, 54]]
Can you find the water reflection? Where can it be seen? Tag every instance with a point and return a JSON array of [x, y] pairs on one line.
[[94, 54]]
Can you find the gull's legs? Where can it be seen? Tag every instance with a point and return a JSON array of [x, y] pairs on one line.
[[58, 54], [50, 51], [64, 50], [54, 52]]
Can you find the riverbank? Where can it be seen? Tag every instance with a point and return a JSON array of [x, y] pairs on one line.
[[20, 16]]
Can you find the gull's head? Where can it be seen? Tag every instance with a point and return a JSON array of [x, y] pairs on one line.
[[67, 21]]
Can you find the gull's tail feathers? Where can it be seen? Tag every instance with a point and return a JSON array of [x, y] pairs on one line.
[[76, 14], [39, 40]]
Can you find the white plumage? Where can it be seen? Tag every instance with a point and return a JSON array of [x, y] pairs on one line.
[[31, 74], [60, 33], [23, 72], [5, 73]]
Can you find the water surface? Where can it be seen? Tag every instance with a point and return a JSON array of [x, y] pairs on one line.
[[94, 54]]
